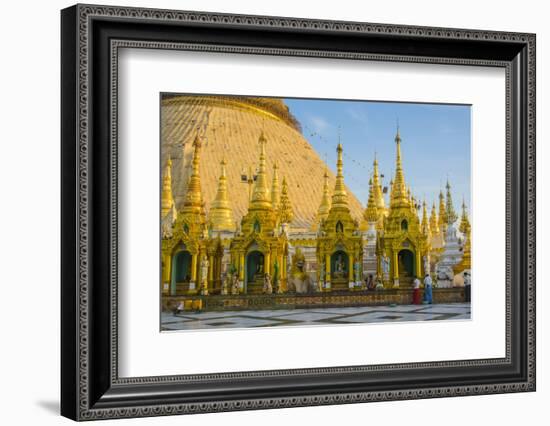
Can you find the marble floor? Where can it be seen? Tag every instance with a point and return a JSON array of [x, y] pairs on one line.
[[317, 316]]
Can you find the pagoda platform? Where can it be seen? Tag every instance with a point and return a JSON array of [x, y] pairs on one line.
[[306, 301]]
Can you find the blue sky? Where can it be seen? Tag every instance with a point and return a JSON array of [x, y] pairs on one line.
[[435, 142]]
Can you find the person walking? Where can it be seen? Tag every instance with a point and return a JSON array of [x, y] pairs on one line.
[[416, 291], [428, 289]]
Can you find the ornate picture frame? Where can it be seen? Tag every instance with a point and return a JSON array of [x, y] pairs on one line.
[[91, 37]]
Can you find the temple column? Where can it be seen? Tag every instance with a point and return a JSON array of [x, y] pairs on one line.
[[395, 269], [267, 263], [284, 273], [241, 266], [192, 284], [167, 276], [218, 271], [350, 272], [418, 264], [329, 272], [211, 272], [281, 287]]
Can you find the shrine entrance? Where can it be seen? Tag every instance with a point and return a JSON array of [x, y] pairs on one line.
[[339, 270], [254, 269], [405, 259], [181, 270]]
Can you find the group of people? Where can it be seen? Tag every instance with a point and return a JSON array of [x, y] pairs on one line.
[[428, 283]]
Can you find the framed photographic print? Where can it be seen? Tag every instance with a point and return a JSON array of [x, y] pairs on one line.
[[263, 212]]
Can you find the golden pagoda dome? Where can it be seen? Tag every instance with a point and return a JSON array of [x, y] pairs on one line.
[[229, 127]]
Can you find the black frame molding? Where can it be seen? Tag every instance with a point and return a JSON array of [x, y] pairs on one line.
[[90, 38]]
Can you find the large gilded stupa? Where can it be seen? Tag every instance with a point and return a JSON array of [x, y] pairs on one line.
[[248, 207], [229, 127]]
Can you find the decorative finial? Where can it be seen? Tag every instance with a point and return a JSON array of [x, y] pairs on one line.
[[262, 137], [221, 215], [193, 197], [451, 214], [371, 213], [286, 213], [397, 134], [324, 207], [260, 192], [425, 225], [197, 142], [275, 193], [167, 202], [339, 196], [464, 226], [434, 225]]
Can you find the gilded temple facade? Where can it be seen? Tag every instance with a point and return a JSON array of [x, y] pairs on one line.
[[260, 246], [403, 242], [292, 231], [339, 241], [185, 243]]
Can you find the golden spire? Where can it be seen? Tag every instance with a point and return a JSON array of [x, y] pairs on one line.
[[449, 209], [464, 226], [400, 194], [193, 197], [442, 213], [434, 227], [221, 214], [339, 196], [167, 200], [260, 193], [324, 207], [377, 187], [275, 194], [466, 262], [371, 212], [425, 225], [285, 206]]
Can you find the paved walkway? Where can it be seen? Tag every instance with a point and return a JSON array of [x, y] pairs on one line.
[[318, 316]]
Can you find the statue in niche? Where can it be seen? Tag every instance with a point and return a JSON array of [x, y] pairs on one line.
[[268, 288], [235, 287], [322, 272], [204, 275], [276, 286], [385, 264], [256, 226], [339, 264], [357, 271], [299, 280], [226, 283]]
